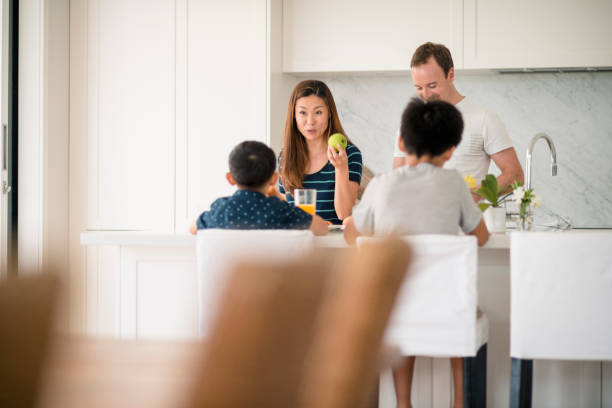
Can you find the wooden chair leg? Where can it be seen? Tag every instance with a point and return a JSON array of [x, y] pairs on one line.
[[521, 383], [475, 379]]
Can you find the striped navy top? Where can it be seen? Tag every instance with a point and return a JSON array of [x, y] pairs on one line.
[[324, 181]]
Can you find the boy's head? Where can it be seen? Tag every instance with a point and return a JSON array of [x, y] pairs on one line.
[[252, 164], [430, 128]]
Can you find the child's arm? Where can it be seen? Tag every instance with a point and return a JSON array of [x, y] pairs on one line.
[[350, 232], [193, 228], [481, 232], [273, 192], [318, 225]]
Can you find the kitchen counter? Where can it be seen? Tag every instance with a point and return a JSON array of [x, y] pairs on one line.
[[143, 285], [334, 239]]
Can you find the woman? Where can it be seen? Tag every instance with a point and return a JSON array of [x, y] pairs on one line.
[[307, 161]]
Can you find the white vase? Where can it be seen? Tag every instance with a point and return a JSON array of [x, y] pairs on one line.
[[495, 219]]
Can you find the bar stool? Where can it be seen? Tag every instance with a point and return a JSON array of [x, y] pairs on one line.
[[560, 302], [219, 250], [435, 313]]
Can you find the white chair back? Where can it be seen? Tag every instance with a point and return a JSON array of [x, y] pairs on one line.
[[435, 313], [561, 295], [219, 250]]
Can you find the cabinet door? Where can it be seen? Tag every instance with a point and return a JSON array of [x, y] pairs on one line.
[[158, 293], [131, 114], [222, 85], [361, 35], [537, 34]]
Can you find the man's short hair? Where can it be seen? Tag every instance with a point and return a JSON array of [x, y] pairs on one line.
[[252, 164], [430, 128], [440, 53]]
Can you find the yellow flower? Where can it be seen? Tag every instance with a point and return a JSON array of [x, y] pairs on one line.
[[470, 181]]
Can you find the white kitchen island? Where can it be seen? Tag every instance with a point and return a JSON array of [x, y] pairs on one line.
[[144, 285]]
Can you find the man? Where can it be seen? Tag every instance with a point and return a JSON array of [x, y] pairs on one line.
[[484, 136]]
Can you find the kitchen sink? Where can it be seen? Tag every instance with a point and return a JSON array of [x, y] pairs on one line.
[[543, 220]]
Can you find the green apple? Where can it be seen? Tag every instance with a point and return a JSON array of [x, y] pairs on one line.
[[337, 139]]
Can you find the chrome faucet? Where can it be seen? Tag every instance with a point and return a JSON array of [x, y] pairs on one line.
[[553, 157]]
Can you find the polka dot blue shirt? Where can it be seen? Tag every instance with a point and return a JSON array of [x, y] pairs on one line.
[[248, 209]]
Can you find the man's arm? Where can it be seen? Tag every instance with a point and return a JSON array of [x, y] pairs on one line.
[[481, 233], [511, 170]]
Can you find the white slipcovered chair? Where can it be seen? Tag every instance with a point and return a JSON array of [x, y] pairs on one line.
[[560, 302], [219, 250], [435, 312]]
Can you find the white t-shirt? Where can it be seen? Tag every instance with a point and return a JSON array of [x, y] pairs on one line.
[[483, 135], [424, 199]]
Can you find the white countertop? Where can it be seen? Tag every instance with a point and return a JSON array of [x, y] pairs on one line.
[[136, 238], [334, 239]]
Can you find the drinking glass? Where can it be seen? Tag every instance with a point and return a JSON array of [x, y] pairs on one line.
[[306, 199]]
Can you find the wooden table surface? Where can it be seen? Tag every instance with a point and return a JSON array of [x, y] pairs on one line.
[[113, 373], [105, 373]]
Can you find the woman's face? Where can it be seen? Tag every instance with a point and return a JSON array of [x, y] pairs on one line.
[[311, 117]]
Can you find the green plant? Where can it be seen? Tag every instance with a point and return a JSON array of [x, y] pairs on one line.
[[490, 192], [525, 199]]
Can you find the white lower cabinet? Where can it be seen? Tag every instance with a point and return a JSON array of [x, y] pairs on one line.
[[140, 292], [158, 294]]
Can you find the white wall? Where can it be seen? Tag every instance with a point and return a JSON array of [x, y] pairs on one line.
[[31, 139], [43, 135]]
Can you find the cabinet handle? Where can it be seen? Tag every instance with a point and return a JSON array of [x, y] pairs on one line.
[[5, 186], [4, 146]]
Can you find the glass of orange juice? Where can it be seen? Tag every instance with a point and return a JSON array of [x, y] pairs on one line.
[[306, 199]]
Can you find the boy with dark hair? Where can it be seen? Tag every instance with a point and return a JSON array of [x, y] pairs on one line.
[[253, 169], [421, 198]]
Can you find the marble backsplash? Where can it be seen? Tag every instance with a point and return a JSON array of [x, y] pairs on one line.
[[574, 109]]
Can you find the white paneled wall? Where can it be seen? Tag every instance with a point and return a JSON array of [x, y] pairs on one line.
[[172, 87], [224, 73], [131, 114], [161, 91], [43, 119]]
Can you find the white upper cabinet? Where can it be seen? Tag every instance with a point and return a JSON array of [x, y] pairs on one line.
[[336, 36], [364, 35], [537, 34]]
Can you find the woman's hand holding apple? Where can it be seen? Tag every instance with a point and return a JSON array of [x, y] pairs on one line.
[[338, 158]]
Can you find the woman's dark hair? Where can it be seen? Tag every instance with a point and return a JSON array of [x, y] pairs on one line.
[[430, 128], [294, 158], [252, 164]]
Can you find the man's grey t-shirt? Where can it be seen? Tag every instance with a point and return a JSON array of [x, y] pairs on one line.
[[424, 199]]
